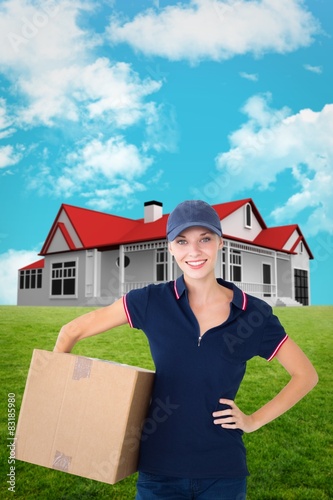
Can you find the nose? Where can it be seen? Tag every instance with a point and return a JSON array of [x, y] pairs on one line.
[[194, 249]]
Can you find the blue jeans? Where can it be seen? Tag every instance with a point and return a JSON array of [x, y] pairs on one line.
[[152, 487]]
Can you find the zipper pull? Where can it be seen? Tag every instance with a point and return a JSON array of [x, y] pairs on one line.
[[199, 340]]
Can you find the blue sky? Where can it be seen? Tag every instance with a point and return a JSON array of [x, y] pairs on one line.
[[109, 104]]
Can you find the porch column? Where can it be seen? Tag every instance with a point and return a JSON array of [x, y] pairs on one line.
[[170, 266], [293, 295], [95, 273], [121, 271], [275, 275]]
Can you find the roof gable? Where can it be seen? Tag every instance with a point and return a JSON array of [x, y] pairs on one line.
[[78, 228], [235, 222], [282, 238], [61, 240], [226, 209]]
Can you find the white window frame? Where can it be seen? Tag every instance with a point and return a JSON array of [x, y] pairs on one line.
[[62, 277], [164, 263], [235, 261], [246, 208]]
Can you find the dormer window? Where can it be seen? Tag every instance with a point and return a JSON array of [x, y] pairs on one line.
[[248, 215]]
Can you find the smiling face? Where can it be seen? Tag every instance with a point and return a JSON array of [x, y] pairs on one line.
[[195, 251]]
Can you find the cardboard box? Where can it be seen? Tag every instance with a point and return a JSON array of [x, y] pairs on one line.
[[83, 416]]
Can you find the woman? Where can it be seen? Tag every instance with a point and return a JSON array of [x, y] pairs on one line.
[[201, 332]]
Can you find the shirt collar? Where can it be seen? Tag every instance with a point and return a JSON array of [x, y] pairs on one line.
[[239, 298]]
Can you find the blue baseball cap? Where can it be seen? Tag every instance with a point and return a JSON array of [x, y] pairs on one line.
[[192, 213]]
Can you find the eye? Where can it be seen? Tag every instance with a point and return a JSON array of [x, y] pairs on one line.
[[181, 242], [206, 239]]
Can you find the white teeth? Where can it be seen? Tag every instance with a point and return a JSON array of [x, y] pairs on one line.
[[197, 263]]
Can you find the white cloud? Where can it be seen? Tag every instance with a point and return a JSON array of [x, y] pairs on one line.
[[8, 156], [313, 69], [162, 131], [5, 121], [217, 30], [100, 164], [100, 90], [122, 191], [10, 262], [48, 97], [272, 141], [249, 76], [115, 90], [43, 52], [59, 82], [111, 158], [36, 36], [315, 181], [7, 133], [52, 65]]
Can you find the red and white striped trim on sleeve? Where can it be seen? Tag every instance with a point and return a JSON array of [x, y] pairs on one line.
[[277, 348], [127, 312]]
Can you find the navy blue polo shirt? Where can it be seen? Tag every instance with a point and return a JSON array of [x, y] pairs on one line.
[[179, 437]]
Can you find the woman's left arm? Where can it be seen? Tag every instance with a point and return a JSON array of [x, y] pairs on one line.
[[303, 378]]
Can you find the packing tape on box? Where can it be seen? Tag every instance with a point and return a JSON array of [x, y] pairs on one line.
[[61, 461], [82, 368]]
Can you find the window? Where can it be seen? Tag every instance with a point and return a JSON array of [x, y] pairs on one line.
[[161, 264], [63, 278], [126, 261], [235, 265], [301, 286], [266, 274], [248, 215], [31, 278]]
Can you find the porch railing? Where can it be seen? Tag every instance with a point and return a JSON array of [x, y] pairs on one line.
[[258, 289], [127, 287]]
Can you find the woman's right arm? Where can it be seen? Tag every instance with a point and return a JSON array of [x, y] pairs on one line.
[[90, 324]]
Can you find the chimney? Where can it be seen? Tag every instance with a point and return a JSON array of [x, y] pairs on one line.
[[153, 210]]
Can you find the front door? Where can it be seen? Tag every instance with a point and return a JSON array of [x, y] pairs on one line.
[[301, 286]]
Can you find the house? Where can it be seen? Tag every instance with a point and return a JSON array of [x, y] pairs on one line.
[[91, 258]]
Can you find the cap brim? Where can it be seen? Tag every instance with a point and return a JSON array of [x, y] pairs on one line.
[[175, 232]]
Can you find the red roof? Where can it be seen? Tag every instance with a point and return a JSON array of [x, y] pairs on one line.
[[276, 238], [146, 231], [39, 264], [95, 229]]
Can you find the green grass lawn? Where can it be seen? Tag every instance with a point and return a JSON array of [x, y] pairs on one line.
[[289, 459]]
